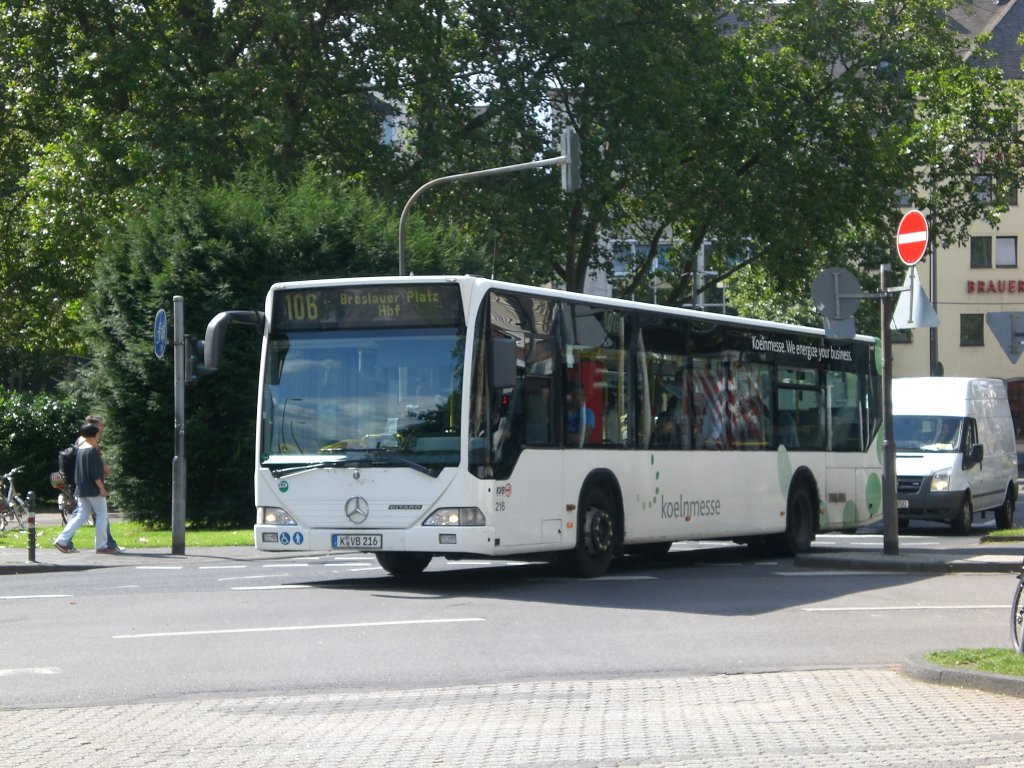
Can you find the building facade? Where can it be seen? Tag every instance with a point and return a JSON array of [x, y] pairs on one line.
[[966, 282]]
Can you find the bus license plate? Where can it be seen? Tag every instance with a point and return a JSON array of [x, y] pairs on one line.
[[903, 503], [356, 541]]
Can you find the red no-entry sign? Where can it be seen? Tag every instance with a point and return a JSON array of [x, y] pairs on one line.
[[912, 237]]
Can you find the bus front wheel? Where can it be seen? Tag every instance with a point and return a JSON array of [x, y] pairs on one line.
[[404, 563], [595, 535]]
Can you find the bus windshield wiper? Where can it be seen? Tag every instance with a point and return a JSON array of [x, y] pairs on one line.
[[295, 469], [370, 456], [392, 455]]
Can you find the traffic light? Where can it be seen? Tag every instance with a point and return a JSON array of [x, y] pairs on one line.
[[570, 146], [194, 359]]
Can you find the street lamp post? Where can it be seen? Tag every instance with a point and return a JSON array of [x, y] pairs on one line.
[[570, 158]]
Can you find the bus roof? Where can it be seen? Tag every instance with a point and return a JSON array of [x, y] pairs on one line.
[[470, 284]]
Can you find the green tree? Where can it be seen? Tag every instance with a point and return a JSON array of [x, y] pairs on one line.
[[220, 247]]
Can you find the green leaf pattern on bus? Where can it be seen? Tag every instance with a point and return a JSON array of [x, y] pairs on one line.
[[653, 503], [872, 490], [785, 468], [873, 493]]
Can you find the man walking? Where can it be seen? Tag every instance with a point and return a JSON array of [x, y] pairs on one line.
[[91, 494]]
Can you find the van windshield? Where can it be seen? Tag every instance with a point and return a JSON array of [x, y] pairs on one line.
[[930, 434]]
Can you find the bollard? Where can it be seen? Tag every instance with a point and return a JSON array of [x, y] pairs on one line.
[[30, 497]]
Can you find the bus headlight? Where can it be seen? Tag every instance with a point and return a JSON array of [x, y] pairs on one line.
[[274, 516], [940, 481], [456, 516]]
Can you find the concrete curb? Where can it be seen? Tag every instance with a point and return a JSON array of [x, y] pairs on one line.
[[913, 563], [917, 668]]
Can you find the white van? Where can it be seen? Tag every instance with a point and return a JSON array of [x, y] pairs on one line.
[[955, 450]]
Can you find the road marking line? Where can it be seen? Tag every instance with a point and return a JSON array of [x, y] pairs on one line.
[[30, 671], [158, 567], [819, 574], [272, 586], [247, 578], [218, 567], [250, 630], [30, 597], [286, 565], [906, 608]]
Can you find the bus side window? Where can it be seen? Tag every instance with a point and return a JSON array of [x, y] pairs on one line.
[[538, 411]]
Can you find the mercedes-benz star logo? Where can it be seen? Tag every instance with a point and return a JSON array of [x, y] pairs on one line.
[[357, 510]]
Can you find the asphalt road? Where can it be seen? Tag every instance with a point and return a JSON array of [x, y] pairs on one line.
[[707, 657]]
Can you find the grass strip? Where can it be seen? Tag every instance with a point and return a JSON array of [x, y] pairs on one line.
[[130, 535], [1003, 661]]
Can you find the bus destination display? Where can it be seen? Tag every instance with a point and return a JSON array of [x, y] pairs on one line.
[[367, 307]]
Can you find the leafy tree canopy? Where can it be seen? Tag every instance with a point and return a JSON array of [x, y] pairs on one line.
[[774, 129], [220, 247]]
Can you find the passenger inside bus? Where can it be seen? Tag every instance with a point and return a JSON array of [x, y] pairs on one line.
[[579, 418], [666, 427]]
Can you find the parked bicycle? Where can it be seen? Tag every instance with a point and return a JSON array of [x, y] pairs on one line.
[[66, 501], [13, 508], [1017, 614]]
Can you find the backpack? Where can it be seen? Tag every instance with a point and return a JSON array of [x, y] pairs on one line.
[[66, 464]]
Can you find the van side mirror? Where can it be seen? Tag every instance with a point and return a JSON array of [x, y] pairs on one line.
[[975, 456]]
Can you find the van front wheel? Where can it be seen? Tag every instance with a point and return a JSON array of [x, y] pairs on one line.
[[964, 520]]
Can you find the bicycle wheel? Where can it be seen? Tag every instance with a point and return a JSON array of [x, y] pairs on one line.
[[65, 505], [1017, 616], [19, 511]]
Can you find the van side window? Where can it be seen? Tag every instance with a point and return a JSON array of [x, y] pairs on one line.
[[970, 435]]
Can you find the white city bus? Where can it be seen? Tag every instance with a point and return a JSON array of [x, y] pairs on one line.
[[458, 416]]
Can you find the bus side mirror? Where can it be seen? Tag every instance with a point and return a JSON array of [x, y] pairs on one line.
[[216, 329], [501, 356]]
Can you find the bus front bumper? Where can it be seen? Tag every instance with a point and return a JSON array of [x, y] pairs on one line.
[[439, 540]]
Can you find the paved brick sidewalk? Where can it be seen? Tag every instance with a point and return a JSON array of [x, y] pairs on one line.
[[846, 717]]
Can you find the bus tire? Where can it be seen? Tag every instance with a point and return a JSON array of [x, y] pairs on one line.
[[596, 534], [964, 520], [799, 521], [1004, 514], [404, 563]]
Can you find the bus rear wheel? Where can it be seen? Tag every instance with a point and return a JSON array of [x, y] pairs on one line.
[[799, 522], [595, 535], [404, 563]]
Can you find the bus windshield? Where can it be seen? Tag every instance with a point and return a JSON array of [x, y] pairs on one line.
[[365, 396]]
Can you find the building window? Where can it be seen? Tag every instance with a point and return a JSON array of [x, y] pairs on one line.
[[1006, 251], [983, 188], [981, 253], [902, 336], [972, 330]]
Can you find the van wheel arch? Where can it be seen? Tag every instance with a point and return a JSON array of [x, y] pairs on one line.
[[964, 519], [1004, 512]]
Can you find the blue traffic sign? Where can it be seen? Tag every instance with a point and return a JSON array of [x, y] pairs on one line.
[[160, 333]]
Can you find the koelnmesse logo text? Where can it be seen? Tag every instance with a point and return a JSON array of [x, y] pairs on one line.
[[687, 508]]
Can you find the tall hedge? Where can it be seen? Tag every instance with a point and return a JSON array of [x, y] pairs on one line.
[[220, 248], [33, 428]]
